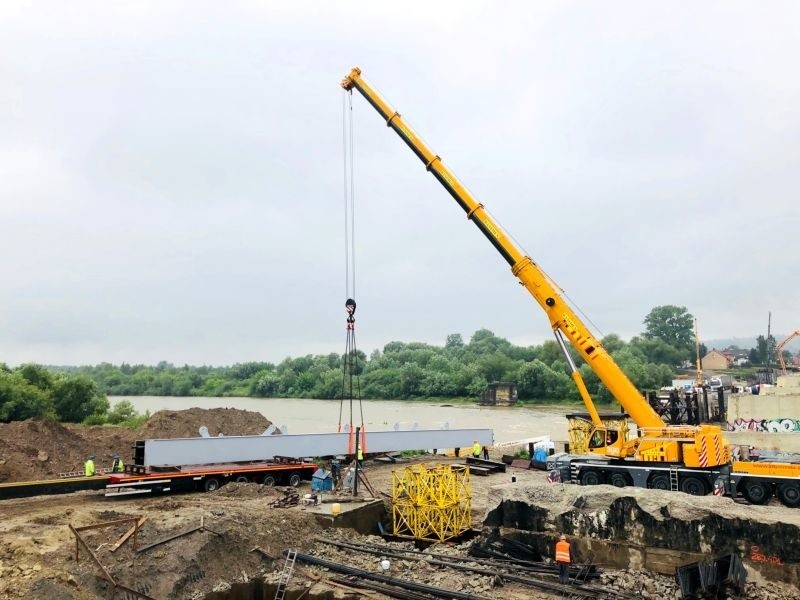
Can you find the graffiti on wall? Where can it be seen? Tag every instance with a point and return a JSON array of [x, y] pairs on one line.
[[765, 425], [757, 556]]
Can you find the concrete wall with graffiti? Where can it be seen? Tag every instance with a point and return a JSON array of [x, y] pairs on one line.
[[774, 410], [765, 425]]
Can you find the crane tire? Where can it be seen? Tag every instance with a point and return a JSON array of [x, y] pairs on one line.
[[619, 480], [268, 480], [757, 492], [659, 481], [693, 485], [789, 493], [295, 479], [591, 477], [242, 479]]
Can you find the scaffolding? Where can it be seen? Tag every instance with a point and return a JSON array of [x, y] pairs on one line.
[[431, 504]]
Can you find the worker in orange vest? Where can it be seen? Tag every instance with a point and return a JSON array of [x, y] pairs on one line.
[[563, 559]]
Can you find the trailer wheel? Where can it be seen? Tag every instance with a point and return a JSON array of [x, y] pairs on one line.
[[211, 485], [269, 480], [757, 492], [295, 479], [242, 479], [659, 481], [693, 485], [619, 480], [591, 477], [789, 494]]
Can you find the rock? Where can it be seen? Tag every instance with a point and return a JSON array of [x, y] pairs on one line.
[[42, 456], [72, 581]]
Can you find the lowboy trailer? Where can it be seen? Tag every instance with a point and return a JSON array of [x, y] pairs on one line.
[[193, 478]]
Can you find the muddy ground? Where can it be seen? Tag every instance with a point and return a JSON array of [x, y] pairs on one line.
[[37, 547]]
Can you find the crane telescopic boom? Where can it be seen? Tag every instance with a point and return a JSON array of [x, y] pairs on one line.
[[564, 321]]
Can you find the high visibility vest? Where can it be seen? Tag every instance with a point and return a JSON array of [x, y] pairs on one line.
[[476, 449], [118, 466], [89, 468], [562, 551], [360, 455]]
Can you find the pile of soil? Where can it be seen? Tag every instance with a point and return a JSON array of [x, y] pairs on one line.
[[35, 449], [186, 423]]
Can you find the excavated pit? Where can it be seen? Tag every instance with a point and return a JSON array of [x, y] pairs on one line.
[[258, 589], [650, 529]]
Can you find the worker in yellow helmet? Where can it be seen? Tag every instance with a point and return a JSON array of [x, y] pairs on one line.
[[476, 450], [360, 457], [118, 466], [88, 466]]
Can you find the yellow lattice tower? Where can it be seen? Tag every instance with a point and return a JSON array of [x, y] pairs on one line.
[[431, 504]]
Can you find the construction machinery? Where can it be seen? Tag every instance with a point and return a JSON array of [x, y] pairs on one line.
[[690, 458], [779, 350]]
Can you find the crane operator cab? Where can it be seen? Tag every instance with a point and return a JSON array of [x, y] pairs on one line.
[[605, 441]]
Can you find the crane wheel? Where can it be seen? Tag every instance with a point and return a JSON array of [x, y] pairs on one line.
[[211, 485], [591, 477], [789, 494], [659, 481], [269, 480], [241, 479], [757, 492], [294, 479], [693, 485], [619, 480]]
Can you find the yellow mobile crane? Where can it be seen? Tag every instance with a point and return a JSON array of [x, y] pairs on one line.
[[684, 457]]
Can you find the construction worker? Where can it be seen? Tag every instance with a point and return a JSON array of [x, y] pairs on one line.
[[88, 467], [485, 453], [118, 466], [360, 457], [476, 449], [563, 559]]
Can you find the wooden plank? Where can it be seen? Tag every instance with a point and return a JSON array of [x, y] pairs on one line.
[[80, 540], [170, 538], [107, 524], [124, 537]]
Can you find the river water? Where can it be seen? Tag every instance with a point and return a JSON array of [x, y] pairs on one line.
[[297, 415]]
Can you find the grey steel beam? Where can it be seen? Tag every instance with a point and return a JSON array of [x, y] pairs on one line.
[[247, 448]]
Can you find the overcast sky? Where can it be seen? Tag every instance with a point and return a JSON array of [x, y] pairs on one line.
[[171, 172]]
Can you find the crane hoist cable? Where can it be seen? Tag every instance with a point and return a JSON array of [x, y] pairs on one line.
[[351, 386]]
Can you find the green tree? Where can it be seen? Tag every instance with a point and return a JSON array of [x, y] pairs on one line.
[[672, 324], [454, 341], [75, 398], [121, 411], [20, 400], [37, 376]]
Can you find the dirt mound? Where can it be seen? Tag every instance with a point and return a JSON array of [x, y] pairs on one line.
[[186, 423], [35, 449]]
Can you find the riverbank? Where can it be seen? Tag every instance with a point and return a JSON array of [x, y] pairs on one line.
[[302, 415]]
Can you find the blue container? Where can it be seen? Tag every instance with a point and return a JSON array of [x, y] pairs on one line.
[[321, 481]]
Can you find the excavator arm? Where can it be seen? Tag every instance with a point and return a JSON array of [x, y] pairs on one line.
[[563, 320]]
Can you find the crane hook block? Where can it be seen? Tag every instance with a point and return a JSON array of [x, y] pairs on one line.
[[350, 305]]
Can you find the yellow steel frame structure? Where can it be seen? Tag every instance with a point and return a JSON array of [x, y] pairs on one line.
[[431, 504]]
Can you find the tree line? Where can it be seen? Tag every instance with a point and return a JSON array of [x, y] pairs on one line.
[[458, 369]]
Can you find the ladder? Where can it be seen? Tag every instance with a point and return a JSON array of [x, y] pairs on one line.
[[286, 574], [673, 478]]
